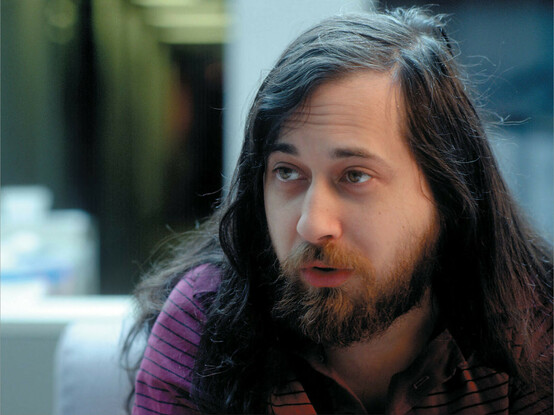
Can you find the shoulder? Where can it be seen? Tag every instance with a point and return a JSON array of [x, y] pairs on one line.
[[191, 291], [183, 313], [184, 310], [163, 382]]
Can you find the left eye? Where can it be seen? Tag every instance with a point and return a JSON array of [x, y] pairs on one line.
[[355, 176], [287, 174]]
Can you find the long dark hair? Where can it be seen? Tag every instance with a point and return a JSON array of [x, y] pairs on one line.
[[495, 273]]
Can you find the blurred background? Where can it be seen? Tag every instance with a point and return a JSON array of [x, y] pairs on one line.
[[121, 122]]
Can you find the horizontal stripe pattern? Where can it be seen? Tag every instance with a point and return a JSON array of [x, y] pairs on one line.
[[164, 379], [291, 400], [439, 382]]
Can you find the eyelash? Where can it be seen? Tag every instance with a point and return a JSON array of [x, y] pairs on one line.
[[279, 170], [369, 177]]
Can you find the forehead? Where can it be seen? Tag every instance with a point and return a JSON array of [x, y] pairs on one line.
[[359, 108]]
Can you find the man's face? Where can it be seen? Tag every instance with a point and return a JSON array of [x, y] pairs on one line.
[[350, 215]]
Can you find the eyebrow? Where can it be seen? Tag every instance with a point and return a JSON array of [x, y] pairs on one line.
[[283, 148], [336, 154], [348, 152]]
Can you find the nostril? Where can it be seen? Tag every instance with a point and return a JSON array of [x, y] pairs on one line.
[[319, 221]]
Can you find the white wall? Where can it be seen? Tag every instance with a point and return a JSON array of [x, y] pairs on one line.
[[260, 32], [31, 328]]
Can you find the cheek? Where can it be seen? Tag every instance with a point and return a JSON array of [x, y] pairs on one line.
[[382, 229], [281, 226], [275, 222], [376, 234]]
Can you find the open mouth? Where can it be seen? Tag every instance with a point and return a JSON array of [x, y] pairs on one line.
[[321, 269], [321, 275]]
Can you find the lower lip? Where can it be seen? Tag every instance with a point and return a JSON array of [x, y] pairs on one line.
[[318, 278]]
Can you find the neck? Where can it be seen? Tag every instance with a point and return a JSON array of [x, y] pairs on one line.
[[367, 367]]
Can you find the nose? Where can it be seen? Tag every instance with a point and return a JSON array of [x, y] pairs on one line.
[[319, 221]]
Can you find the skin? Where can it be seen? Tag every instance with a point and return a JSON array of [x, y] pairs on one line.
[[341, 171]]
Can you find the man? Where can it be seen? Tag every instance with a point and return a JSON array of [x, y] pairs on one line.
[[368, 258]]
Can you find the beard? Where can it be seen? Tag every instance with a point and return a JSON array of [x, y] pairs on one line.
[[364, 306]]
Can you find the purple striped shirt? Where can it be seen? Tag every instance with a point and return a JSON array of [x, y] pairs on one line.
[[439, 381]]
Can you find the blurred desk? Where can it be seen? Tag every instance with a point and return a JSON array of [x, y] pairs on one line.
[[30, 329]]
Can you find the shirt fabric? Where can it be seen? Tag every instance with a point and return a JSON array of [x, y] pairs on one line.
[[440, 381]]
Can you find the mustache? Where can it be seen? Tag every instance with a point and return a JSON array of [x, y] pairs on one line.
[[332, 254]]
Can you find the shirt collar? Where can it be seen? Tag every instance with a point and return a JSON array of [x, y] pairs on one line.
[[435, 365]]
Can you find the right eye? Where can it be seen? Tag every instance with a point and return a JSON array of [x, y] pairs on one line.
[[286, 174]]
